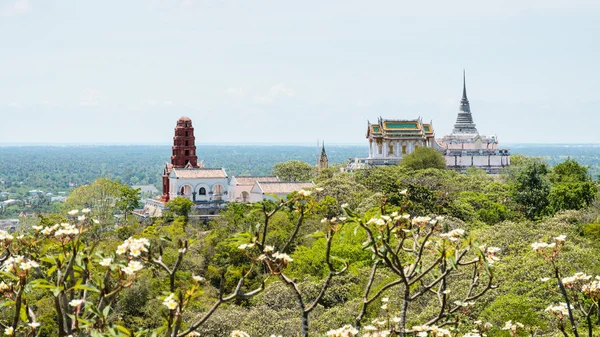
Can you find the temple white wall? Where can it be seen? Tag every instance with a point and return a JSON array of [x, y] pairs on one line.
[[395, 146], [214, 188]]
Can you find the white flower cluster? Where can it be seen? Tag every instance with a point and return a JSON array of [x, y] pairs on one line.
[[105, 262], [304, 193], [76, 303], [268, 253], [372, 331], [512, 327], [4, 236], [132, 267], [345, 331], [4, 287], [9, 331], [490, 253], [389, 220], [74, 212], [334, 220], [17, 262], [65, 229], [538, 246], [592, 289], [453, 235], [59, 230], [282, 257], [239, 333], [170, 302], [246, 246], [479, 331], [135, 246], [464, 304], [541, 246], [422, 221], [426, 330], [571, 281], [559, 310]]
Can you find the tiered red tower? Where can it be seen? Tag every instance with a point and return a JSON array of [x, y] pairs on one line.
[[184, 148], [184, 153]]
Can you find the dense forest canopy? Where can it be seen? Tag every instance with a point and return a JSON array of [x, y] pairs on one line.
[[52, 168], [387, 251]]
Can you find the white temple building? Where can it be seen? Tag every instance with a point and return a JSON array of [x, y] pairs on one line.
[[465, 147], [391, 139]]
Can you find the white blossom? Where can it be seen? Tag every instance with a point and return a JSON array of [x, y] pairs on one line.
[[170, 302], [105, 262], [76, 303]]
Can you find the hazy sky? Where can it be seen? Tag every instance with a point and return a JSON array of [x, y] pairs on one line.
[[295, 71]]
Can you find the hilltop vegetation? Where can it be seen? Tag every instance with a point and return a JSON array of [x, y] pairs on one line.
[[394, 251]]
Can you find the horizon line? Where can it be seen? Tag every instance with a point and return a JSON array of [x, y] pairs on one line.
[[307, 144]]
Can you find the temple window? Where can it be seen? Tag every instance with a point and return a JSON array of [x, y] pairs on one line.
[[202, 191], [187, 143], [187, 152], [403, 149], [391, 149]]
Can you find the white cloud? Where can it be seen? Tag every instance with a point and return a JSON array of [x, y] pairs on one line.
[[89, 97], [16, 8], [14, 105], [277, 91]]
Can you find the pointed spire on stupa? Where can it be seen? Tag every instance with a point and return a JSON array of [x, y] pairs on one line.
[[464, 102], [464, 120]]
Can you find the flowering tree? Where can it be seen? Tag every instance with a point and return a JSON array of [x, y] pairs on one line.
[[423, 255], [276, 261], [61, 260], [581, 292]]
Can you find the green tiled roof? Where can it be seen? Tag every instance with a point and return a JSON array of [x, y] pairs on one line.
[[390, 125]]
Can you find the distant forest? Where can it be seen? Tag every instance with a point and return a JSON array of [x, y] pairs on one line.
[[54, 168]]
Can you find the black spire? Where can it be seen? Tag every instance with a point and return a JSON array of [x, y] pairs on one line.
[[323, 154], [464, 102]]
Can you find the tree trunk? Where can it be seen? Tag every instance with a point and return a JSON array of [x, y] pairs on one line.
[[404, 311], [304, 324]]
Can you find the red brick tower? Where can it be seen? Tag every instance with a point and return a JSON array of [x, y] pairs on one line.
[[184, 153], [184, 148]]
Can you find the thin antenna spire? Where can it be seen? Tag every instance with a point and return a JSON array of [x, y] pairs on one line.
[[464, 96]]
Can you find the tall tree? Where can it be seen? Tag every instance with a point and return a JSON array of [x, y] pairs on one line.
[[294, 170], [530, 187], [128, 200], [100, 196], [424, 158], [180, 206], [572, 186]]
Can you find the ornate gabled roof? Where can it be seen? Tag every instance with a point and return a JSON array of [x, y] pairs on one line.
[[399, 128], [464, 120]]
